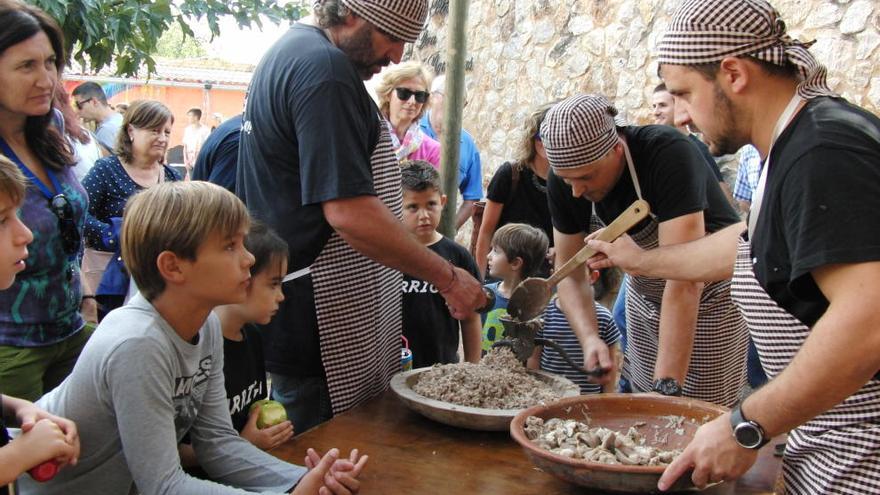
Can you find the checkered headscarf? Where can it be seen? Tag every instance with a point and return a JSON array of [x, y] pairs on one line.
[[579, 130], [401, 18], [707, 31]]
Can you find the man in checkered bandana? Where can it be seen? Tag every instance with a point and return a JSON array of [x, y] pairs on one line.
[[316, 164], [808, 260], [679, 341]]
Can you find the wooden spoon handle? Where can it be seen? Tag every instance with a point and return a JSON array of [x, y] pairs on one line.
[[625, 221]]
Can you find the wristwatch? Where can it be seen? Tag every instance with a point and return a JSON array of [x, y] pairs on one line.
[[667, 386], [748, 434]]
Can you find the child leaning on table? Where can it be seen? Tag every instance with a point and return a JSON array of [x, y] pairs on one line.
[[557, 329], [244, 368], [428, 326], [152, 371], [518, 251], [44, 437]]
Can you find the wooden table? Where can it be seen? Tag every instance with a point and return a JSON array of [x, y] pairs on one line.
[[412, 454]]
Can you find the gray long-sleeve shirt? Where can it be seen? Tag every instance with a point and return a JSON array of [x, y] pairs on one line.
[[135, 391]]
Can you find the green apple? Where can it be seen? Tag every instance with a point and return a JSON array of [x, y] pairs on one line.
[[271, 413]]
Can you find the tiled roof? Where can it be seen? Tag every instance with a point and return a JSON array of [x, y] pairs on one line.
[[185, 71]]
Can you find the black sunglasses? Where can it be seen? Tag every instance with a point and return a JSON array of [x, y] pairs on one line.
[[70, 238], [79, 104], [404, 94]]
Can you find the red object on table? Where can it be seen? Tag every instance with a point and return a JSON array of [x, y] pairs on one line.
[[44, 472]]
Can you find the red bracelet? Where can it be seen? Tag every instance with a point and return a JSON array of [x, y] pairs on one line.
[[454, 279]]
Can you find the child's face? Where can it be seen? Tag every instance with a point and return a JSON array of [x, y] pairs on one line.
[[499, 265], [14, 238], [221, 272], [265, 294], [421, 213]]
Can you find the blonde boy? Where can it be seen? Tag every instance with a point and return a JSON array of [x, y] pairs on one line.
[[153, 370]]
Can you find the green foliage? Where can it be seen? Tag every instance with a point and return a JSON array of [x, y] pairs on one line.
[[175, 44], [127, 32]]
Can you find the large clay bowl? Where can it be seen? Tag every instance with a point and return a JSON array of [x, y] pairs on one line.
[[617, 412], [472, 418]]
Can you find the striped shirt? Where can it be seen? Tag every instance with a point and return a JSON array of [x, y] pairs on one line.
[[557, 329], [748, 174]]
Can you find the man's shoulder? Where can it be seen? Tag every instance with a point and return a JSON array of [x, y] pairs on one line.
[[114, 120], [834, 123]]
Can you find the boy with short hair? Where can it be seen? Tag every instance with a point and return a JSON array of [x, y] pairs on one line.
[[428, 326], [518, 250], [153, 369], [44, 437]]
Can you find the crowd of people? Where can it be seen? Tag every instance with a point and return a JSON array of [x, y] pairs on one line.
[[301, 244]]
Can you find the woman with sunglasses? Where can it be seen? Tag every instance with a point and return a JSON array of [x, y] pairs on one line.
[[41, 330], [137, 164], [403, 97]]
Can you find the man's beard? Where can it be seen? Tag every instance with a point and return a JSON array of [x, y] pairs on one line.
[[725, 141], [359, 50]]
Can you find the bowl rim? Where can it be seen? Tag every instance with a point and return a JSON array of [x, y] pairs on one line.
[[399, 386], [517, 430]]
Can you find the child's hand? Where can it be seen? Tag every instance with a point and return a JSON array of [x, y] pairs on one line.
[[45, 441], [313, 481], [29, 415], [341, 479], [267, 438]]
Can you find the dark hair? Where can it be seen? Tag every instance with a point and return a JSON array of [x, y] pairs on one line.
[[143, 114], [20, 22], [710, 70], [329, 13], [91, 90], [196, 111], [519, 240], [418, 176], [660, 87], [72, 127], [266, 246]]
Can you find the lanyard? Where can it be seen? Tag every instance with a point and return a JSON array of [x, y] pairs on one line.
[[758, 197], [7, 150]]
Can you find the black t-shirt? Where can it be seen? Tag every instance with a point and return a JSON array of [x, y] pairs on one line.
[[431, 331], [707, 157], [528, 204], [309, 131], [673, 178], [245, 374], [218, 157], [821, 201]]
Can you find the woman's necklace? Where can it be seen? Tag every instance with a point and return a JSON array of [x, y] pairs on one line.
[[537, 182]]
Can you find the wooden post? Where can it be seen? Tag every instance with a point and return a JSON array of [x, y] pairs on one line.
[[456, 53]]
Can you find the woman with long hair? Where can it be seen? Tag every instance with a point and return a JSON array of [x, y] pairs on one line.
[[517, 192], [41, 330]]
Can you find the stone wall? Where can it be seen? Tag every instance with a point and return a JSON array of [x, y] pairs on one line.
[[525, 52]]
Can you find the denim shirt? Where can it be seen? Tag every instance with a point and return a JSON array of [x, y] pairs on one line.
[[42, 306]]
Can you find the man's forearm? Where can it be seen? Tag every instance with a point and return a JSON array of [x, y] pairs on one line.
[[708, 259], [464, 212], [841, 354], [678, 322], [383, 239]]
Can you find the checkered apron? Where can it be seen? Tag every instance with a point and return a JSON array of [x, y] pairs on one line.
[[717, 369], [837, 452], [358, 303]]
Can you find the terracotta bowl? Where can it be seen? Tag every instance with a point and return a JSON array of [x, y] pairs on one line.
[[617, 412], [472, 418]]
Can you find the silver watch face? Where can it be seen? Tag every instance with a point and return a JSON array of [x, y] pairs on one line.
[[748, 435]]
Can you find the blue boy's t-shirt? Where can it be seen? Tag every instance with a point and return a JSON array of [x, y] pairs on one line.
[[493, 330]]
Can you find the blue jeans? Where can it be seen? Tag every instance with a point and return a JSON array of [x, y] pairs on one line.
[[619, 314], [306, 400]]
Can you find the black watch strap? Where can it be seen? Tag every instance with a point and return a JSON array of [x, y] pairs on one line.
[[748, 434]]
